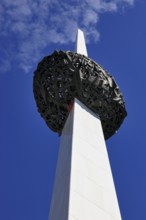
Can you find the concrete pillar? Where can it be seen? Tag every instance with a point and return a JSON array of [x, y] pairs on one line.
[[84, 187]]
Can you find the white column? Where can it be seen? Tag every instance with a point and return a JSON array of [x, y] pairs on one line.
[[84, 187]]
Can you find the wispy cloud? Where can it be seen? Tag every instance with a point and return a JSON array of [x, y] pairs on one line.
[[27, 26]]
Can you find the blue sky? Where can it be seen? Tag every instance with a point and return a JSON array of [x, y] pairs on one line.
[[116, 35]]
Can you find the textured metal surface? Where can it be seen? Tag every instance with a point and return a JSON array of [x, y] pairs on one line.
[[64, 75]]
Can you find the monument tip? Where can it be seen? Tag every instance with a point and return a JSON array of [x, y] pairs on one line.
[[80, 43]]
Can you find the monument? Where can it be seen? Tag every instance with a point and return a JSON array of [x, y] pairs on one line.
[[82, 102]]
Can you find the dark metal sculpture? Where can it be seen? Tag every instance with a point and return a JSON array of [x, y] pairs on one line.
[[62, 76]]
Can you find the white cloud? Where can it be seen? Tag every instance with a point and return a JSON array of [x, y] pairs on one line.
[[30, 26]]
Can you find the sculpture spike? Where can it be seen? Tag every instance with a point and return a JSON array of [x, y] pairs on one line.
[[80, 43]]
